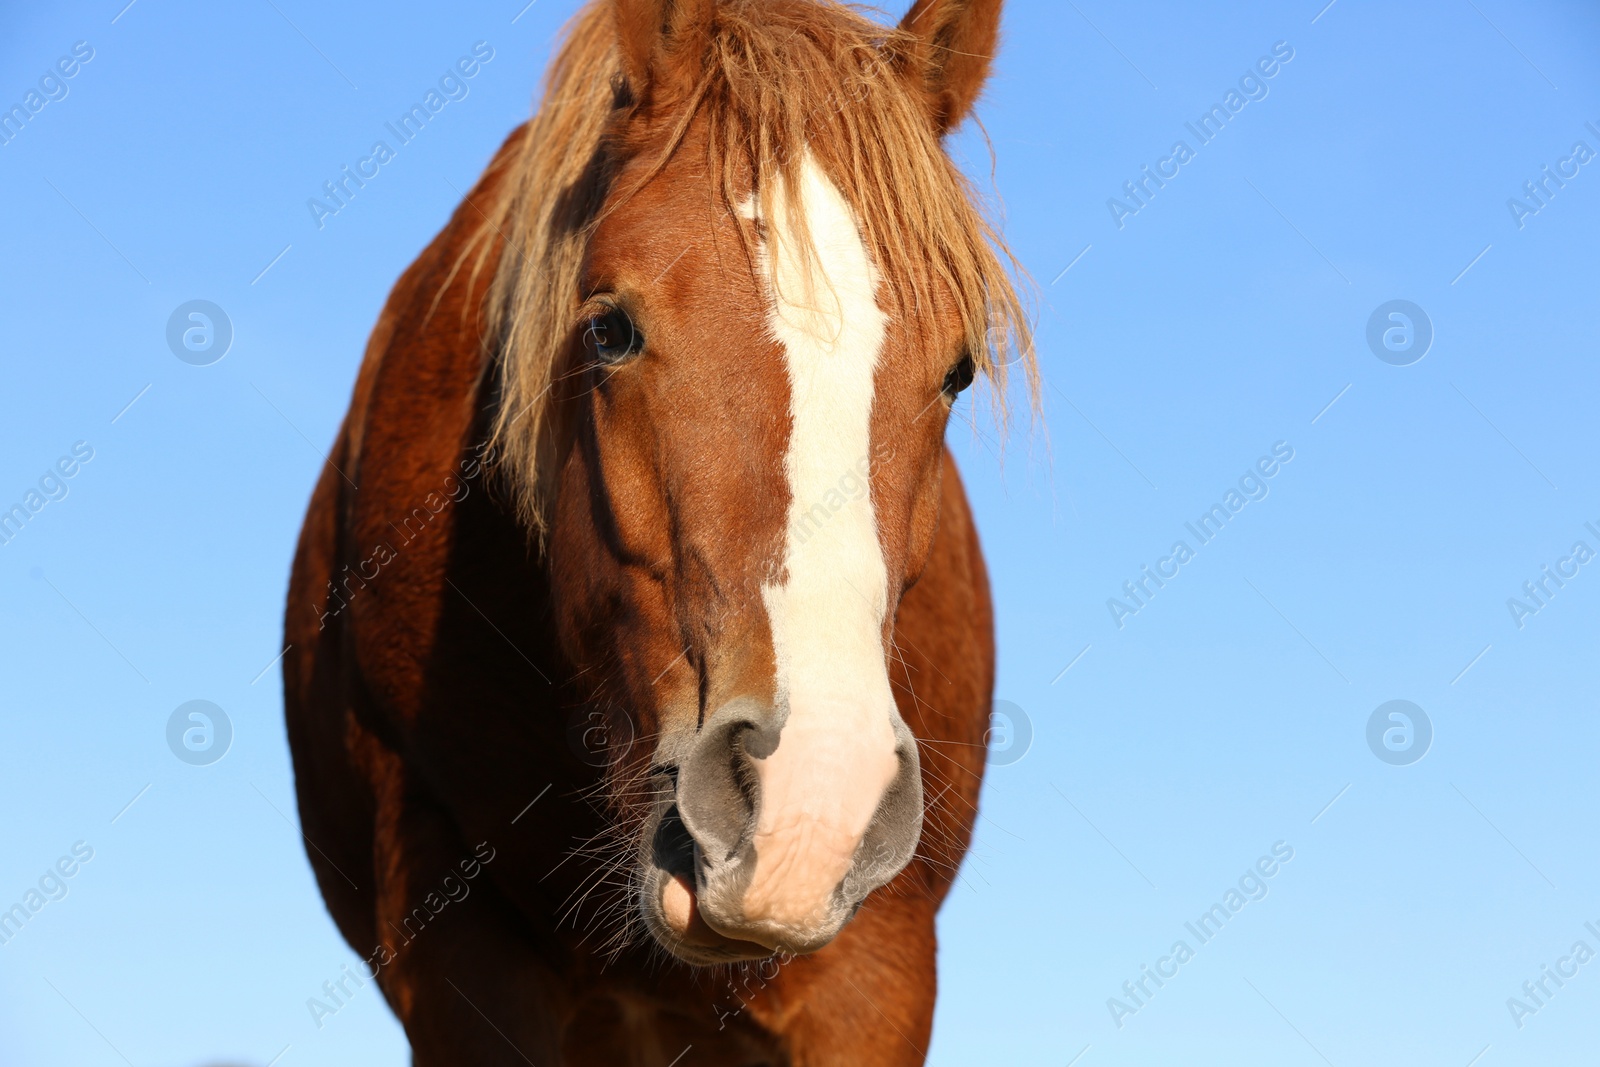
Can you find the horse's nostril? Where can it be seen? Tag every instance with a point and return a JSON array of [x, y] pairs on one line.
[[673, 847], [716, 787]]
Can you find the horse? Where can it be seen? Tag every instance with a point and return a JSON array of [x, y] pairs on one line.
[[641, 652]]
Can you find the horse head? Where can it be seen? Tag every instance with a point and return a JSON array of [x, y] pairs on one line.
[[730, 349]]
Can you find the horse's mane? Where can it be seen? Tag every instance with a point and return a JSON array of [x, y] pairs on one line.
[[780, 77]]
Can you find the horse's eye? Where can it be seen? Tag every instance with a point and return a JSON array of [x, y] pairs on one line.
[[612, 337], [959, 378]]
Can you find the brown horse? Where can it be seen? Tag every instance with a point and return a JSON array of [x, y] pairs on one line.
[[641, 642]]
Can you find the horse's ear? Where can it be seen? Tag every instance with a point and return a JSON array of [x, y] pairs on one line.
[[662, 40], [954, 42]]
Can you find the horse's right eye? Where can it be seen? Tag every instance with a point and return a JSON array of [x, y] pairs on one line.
[[612, 337]]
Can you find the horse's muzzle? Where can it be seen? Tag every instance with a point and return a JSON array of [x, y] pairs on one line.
[[779, 827]]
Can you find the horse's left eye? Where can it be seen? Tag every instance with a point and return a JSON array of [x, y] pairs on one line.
[[959, 378], [612, 337]]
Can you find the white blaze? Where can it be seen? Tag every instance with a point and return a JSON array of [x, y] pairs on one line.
[[835, 758]]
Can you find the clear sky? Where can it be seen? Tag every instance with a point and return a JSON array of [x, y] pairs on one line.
[[1189, 333]]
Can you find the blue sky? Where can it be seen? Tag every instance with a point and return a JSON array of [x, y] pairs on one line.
[[1225, 316]]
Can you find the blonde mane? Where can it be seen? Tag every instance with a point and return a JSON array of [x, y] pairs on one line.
[[781, 78]]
